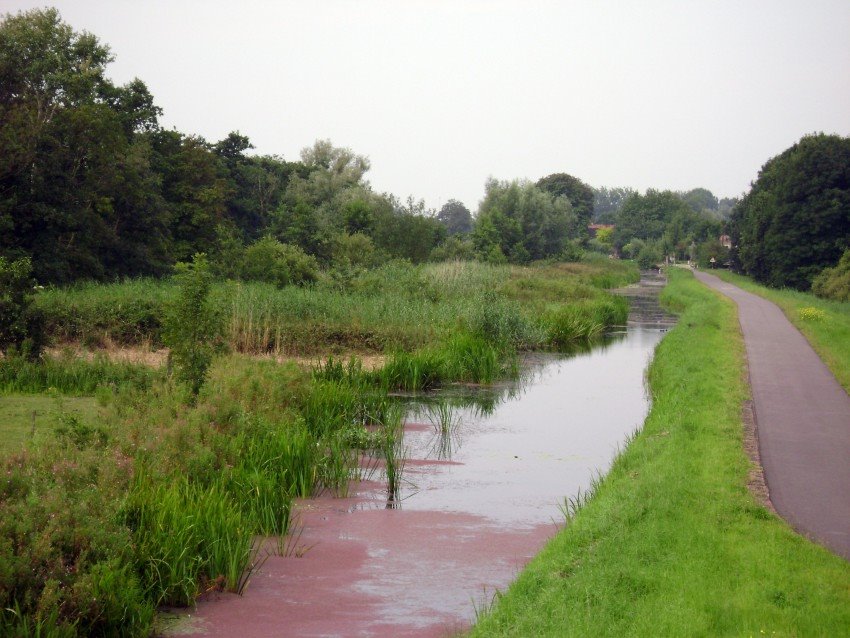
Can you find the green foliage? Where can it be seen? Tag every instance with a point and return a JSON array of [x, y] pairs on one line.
[[795, 221], [607, 203], [455, 217], [672, 543], [21, 324], [647, 217], [648, 257], [580, 195], [357, 251], [192, 327], [834, 283], [521, 222], [280, 264], [454, 248]]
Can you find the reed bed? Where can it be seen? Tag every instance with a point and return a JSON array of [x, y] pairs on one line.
[[170, 497], [396, 307]]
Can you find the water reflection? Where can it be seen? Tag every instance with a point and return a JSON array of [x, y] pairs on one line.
[[517, 450]]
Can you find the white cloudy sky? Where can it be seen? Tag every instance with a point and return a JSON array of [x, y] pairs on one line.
[[441, 94]]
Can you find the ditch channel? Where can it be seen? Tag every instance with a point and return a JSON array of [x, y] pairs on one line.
[[485, 476]]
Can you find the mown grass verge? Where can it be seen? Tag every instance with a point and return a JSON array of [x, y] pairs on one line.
[[825, 323], [672, 543]]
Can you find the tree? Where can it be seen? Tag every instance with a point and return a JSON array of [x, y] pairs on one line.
[[795, 221], [700, 199], [523, 221], [193, 327], [646, 217], [78, 192], [455, 217], [21, 325], [407, 230], [607, 203], [579, 194]]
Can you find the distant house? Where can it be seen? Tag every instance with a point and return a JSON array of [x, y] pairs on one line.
[[592, 229], [725, 241]]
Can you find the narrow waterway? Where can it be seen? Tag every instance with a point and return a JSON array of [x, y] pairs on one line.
[[485, 473]]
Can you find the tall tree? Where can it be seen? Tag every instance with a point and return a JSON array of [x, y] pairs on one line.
[[77, 193], [795, 221], [579, 194], [607, 203], [646, 217], [455, 217], [522, 222]]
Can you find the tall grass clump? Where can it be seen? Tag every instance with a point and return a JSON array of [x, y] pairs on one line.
[[585, 321], [462, 358], [70, 375], [187, 539]]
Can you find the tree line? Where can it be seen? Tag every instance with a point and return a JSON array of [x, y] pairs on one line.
[[93, 187]]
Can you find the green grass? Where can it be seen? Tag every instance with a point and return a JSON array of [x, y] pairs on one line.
[[395, 307], [672, 543], [168, 495], [22, 415], [827, 329]]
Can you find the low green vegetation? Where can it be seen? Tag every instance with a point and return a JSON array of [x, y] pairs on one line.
[[834, 283], [398, 305], [168, 479], [825, 323], [671, 542], [25, 417]]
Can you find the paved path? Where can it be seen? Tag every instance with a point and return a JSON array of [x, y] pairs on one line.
[[803, 421]]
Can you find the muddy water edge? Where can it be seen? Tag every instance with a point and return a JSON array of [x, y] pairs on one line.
[[484, 474]]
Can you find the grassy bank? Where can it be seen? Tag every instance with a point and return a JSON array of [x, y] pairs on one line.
[[672, 543], [825, 323]]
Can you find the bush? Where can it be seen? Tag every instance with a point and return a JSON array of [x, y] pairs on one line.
[[355, 250], [21, 325], [193, 328], [281, 264], [834, 283], [454, 248], [648, 257]]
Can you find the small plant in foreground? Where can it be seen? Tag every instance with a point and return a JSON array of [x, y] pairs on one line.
[[810, 313], [193, 328]]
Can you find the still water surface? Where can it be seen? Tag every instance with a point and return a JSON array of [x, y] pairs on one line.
[[546, 437], [476, 504]]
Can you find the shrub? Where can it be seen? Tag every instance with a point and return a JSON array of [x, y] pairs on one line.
[[193, 327], [21, 325], [648, 257], [281, 264], [834, 283]]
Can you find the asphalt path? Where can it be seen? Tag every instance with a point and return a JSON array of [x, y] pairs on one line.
[[802, 419]]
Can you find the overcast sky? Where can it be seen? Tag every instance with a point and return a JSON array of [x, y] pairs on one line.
[[442, 94]]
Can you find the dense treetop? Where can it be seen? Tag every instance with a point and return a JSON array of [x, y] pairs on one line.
[[795, 221]]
